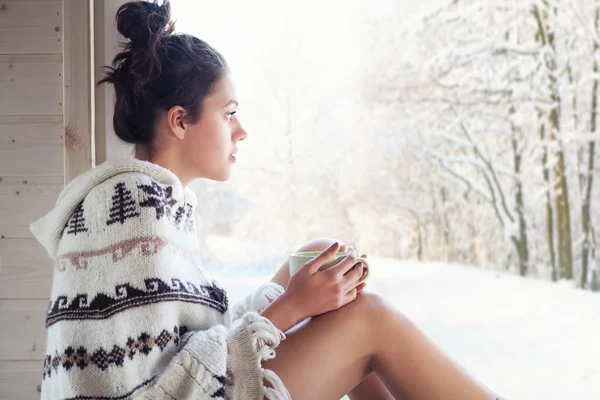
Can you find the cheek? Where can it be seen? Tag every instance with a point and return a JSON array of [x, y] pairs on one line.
[[208, 141]]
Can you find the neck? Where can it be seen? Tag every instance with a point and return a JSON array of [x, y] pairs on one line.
[[166, 161]]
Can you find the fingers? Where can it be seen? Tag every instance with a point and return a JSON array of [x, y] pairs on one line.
[[365, 267], [343, 247], [361, 287], [350, 296], [354, 275], [345, 264], [351, 279], [313, 265]]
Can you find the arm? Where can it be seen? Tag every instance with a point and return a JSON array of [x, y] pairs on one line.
[[282, 312], [269, 292], [327, 290], [282, 276]]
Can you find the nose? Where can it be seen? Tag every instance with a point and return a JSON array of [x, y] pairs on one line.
[[239, 133]]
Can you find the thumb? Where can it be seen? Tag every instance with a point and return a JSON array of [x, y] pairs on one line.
[[313, 265], [361, 287]]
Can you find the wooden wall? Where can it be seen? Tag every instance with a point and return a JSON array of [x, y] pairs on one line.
[[46, 137]]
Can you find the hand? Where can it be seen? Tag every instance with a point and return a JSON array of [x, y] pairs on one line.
[[321, 244], [282, 276], [312, 292]]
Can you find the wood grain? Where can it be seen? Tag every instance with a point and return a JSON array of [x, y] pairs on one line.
[[20, 380], [78, 88], [23, 329], [30, 27], [25, 199], [31, 84], [25, 269]]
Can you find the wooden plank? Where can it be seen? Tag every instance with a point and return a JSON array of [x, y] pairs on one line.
[[23, 329], [20, 380], [25, 199], [31, 84], [101, 92], [30, 27], [78, 94], [25, 269], [31, 145]]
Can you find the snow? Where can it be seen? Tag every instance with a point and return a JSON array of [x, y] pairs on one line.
[[525, 338]]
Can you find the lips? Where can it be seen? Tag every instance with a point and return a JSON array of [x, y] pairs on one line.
[[232, 156]]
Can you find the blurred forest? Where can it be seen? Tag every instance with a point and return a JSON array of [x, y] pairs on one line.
[[467, 134]]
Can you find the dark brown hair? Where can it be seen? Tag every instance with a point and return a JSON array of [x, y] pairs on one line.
[[156, 70]]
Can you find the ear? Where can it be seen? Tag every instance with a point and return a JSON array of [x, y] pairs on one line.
[[175, 120]]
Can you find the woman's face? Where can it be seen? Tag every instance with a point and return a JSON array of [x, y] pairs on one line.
[[207, 148]]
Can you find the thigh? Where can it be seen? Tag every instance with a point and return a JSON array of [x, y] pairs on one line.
[[371, 388], [325, 357]]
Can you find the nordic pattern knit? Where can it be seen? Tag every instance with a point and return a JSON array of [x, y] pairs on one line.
[[133, 313]]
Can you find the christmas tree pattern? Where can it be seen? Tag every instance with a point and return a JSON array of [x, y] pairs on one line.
[[158, 198], [123, 206], [76, 223]]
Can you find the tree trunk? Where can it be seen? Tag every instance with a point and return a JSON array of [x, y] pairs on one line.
[[561, 188], [586, 223], [549, 214], [563, 217], [543, 36], [561, 191], [521, 243], [419, 243]]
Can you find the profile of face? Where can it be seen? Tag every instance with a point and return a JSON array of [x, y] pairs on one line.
[[207, 148]]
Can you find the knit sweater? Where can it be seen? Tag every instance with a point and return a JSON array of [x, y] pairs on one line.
[[133, 313]]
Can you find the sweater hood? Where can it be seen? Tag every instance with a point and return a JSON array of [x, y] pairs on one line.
[[48, 229]]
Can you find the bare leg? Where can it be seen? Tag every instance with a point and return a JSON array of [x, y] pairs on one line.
[[371, 388], [327, 356]]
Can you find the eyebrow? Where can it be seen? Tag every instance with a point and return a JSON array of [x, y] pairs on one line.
[[231, 102]]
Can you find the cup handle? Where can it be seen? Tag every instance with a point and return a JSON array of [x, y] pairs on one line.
[[364, 261]]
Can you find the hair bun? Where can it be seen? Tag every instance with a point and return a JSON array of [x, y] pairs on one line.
[[139, 21]]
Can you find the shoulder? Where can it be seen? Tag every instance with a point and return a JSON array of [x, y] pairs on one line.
[[131, 183], [136, 195], [129, 206]]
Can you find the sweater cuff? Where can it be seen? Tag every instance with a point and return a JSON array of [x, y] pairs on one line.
[[257, 301], [251, 341]]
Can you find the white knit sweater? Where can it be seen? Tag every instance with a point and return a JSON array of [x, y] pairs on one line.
[[133, 314]]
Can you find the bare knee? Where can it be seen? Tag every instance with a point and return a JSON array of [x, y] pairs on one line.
[[370, 311], [373, 305], [368, 301], [379, 313]]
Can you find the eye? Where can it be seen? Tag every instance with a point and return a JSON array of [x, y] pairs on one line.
[[229, 115]]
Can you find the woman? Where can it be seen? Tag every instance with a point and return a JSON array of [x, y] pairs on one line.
[[133, 314]]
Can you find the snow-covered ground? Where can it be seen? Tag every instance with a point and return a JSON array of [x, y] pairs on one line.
[[524, 338]]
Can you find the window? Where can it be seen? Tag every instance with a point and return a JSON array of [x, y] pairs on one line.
[[443, 138]]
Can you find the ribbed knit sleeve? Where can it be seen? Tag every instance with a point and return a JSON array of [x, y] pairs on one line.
[[257, 301]]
